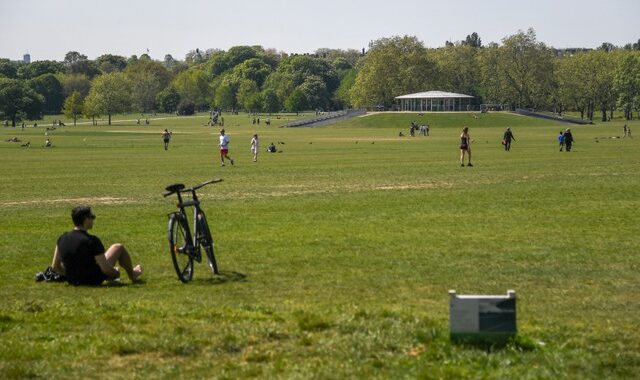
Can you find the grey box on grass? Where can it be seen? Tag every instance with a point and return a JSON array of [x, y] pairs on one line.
[[482, 318]]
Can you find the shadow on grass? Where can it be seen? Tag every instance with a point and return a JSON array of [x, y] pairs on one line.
[[222, 278]]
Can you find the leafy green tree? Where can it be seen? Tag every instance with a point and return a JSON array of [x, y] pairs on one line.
[[343, 93], [9, 69], [341, 64], [601, 84], [473, 40], [253, 102], [169, 62], [352, 56], [108, 63], [168, 99], [37, 68], [73, 106], [315, 92], [492, 85], [90, 110], [225, 96], [293, 71], [607, 47], [280, 83], [246, 91], [392, 67], [526, 68], [238, 54], [76, 63], [217, 64], [572, 84], [50, 88], [18, 101], [296, 102], [193, 85], [110, 94], [270, 101], [299, 68], [253, 69], [458, 69], [186, 107], [75, 82], [627, 83]]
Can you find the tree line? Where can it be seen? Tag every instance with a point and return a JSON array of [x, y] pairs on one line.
[[520, 71]]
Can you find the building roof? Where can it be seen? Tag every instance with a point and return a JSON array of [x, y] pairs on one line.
[[433, 95]]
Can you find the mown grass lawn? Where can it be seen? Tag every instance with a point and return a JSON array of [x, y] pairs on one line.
[[336, 254]]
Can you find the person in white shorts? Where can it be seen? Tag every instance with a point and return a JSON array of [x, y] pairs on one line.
[[255, 147]]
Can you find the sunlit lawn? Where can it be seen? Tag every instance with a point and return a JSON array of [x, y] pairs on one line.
[[336, 253]]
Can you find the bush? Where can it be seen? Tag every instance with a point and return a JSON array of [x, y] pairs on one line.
[[186, 107], [168, 100]]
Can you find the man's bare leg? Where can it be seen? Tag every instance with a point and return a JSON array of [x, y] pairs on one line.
[[118, 254]]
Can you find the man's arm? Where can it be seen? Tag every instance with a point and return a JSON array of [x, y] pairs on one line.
[[56, 264], [106, 268]]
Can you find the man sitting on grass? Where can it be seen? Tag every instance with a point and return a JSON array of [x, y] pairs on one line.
[[82, 258]]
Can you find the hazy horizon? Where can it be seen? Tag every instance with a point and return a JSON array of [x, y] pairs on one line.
[[50, 29]]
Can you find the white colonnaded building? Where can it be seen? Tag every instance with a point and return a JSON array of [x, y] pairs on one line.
[[435, 101]]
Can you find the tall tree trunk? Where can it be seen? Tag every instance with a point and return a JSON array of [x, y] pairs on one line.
[[604, 113], [109, 120], [75, 117], [13, 120]]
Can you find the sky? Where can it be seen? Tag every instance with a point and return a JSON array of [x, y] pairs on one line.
[[48, 29]]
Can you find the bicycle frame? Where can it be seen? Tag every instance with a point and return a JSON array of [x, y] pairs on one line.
[[193, 237]]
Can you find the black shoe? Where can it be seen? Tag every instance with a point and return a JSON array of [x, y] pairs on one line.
[[461, 165], [469, 164]]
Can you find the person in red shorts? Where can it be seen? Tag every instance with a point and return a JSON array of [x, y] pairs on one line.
[[224, 148]]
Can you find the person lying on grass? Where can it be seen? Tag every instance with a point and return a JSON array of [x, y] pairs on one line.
[[82, 258]]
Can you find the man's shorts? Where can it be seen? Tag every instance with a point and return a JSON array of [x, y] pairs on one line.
[[224, 152]]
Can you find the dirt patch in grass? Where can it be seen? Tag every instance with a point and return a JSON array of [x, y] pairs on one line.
[[84, 200], [290, 190]]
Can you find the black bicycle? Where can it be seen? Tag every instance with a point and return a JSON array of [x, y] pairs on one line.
[[184, 245]]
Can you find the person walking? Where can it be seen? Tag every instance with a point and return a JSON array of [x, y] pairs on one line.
[[506, 139], [166, 137], [465, 146], [561, 140], [568, 140], [255, 147], [624, 131], [224, 148]]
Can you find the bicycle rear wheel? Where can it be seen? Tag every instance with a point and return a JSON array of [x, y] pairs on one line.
[[180, 247], [206, 242]]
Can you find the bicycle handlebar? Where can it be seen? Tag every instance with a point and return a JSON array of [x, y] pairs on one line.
[[215, 180]]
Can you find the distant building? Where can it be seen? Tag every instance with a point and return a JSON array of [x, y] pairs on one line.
[[26, 58], [569, 52], [435, 101]]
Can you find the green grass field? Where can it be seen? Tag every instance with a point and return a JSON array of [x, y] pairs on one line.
[[336, 254]]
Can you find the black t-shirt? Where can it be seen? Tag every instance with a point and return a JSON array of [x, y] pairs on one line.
[[78, 250]]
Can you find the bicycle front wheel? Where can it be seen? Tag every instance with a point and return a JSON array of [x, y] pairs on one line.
[[206, 242], [180, 247]]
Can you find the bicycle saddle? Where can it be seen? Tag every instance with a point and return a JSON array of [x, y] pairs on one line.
[[175, 187]]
